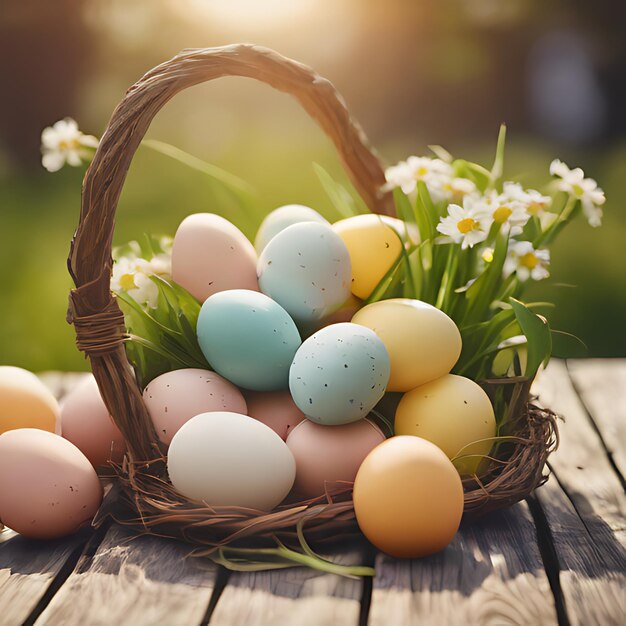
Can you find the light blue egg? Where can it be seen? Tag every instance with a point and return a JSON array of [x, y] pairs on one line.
[[306, 269], [248, 338], [282, 217], [339, 374]]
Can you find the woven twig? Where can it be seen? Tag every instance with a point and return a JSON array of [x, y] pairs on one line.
[[143, 497]]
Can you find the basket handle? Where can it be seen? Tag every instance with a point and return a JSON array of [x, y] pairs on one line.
[[97, 319]]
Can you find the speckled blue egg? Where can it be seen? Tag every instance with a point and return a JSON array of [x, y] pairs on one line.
[[339, 374], [248, 339], [282, 217], [306, 269]]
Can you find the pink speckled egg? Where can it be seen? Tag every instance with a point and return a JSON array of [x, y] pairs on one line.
[[325, 454], [275, 409], [173, 398], [48, 487], [85, 421], [210, 254]]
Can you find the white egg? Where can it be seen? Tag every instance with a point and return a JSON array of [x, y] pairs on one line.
[[228, 459]]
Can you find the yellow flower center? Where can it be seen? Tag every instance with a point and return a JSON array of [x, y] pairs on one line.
[[421, 171], [579, 192], [127, 282], [467, 225], [529, 260], [488, 255], [69, 145], [534, 208], [502, 214]]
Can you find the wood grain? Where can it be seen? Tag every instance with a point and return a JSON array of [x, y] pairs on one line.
[[292, 596], [583, 503], [601, 385], [581, 463], [590, 561], [134, 580], [492, 573], [28, 568]]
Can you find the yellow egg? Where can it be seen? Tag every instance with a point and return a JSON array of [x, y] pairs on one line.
[[25, 402], [374, 247], [455, 414], [408, 497], [423, 342]]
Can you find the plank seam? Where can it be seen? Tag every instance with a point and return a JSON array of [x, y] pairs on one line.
[[549, 557], [598, 432], [221, 581], [83, 548]]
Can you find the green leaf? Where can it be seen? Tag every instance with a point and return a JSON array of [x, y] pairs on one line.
[[537, 332], [497, 169], [339, 196], [567, 346], [426, 216], [215, 172]]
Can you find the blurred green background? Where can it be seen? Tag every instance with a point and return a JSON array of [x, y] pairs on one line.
[[414, 73]]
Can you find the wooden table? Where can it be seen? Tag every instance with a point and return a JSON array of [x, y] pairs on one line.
[[557, 558]]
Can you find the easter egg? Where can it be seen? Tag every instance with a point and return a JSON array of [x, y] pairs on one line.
[[373, 246], [423, 342], [282, 217], [175, 397], [408, 497], [275, 409], [339, 374], [248, 338], [210, 254], [85, 421], [25, 402], [455, 414], [327, 454], [48, 487], [306, 269], [227, 459]]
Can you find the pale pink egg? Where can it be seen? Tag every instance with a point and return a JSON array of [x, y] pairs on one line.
[[210, 254], [326, 454], [48, 487], [173, 398], [85, 421], [275, 409]]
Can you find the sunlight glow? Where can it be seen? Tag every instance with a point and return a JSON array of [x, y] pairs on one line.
[[266, 14]]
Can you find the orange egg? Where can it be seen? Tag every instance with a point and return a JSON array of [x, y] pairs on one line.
[[25, 402], [408, 497]]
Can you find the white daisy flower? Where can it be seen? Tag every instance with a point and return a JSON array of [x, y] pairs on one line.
[[406, 173], [132, 275], [467, 225], [64, 143], [450, 189], [535, 202], [508, 212], [584, 189], [527, 262]]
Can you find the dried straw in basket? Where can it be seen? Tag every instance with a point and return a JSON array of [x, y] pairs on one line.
[[142, 496]]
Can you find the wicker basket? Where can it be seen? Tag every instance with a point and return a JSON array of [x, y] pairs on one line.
[[142, 496]]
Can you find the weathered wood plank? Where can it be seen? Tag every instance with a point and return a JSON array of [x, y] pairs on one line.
[[291, 596], [581, 463], [28, 568], [589, 563], [583, 504], [601, 384], [134, 580], [492, 573]]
